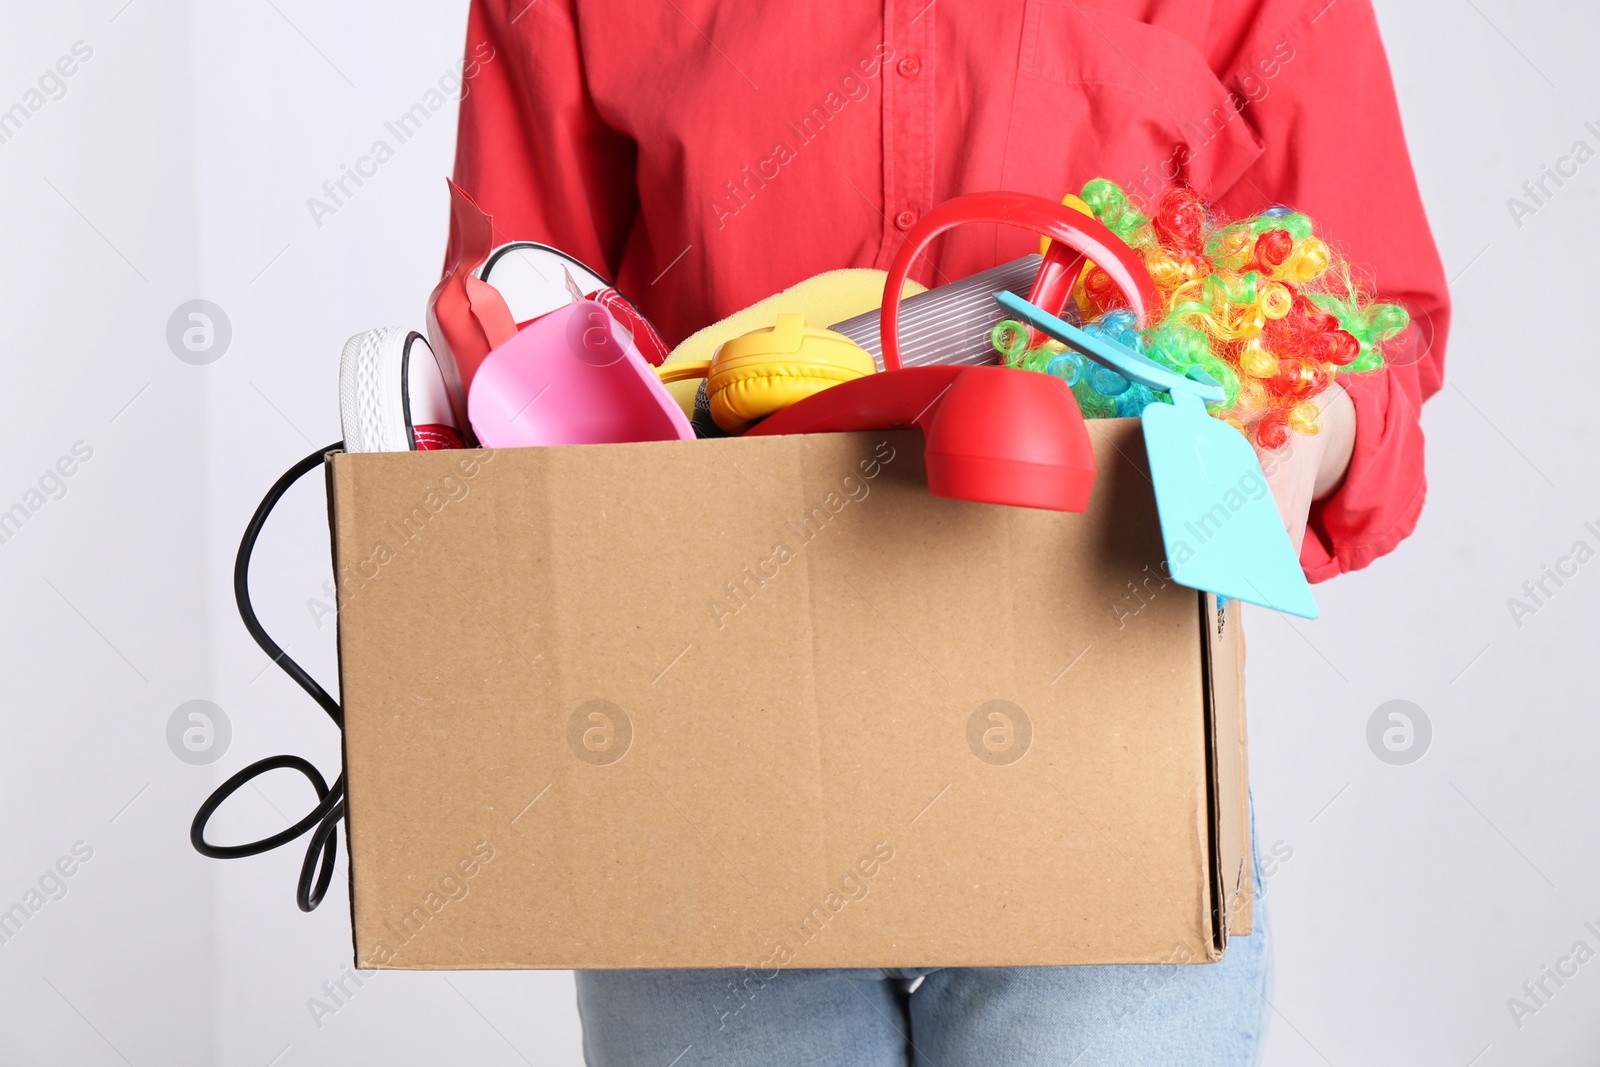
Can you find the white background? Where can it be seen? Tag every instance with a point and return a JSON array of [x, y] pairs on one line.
[[178, 164]]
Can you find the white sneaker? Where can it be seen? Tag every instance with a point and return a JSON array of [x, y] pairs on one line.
[[392, 396], [533, 278]]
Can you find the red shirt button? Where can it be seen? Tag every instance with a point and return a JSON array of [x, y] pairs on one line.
[[906, 219], [909, 67]]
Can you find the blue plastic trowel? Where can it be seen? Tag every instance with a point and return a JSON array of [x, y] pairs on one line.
[[1220, 526]]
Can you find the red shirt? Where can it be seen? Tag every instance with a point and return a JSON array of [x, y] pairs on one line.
[[708, 154]]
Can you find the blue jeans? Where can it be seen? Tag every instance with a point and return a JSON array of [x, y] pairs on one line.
[[1132, 1015]]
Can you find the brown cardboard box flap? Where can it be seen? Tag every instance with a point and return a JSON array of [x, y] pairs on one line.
[[1225, 672], [766, 702]]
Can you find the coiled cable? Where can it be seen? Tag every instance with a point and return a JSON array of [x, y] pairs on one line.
[[316, 873]]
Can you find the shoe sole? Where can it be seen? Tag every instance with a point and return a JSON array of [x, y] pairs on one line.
[[374, 404]]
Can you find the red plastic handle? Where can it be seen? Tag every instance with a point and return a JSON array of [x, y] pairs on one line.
[[1058, 274], [1055, 221]]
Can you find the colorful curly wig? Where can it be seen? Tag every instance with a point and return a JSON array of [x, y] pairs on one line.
[[1263, 305]]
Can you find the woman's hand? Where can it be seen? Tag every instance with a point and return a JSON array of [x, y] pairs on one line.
[[1309, 468]]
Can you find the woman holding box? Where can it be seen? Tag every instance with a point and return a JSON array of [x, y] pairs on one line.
[[706, 155]]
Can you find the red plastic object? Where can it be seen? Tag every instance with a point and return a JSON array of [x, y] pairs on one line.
[[1069, 229], [993, 435], [1052, 286], [466, 317]]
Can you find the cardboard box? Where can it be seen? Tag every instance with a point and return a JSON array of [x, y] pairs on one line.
[[765, 702]]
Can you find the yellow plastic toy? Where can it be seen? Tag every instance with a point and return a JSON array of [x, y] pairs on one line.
[[830, 297], [764, 371]]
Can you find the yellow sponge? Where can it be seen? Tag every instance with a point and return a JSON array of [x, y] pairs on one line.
[[830, 297]]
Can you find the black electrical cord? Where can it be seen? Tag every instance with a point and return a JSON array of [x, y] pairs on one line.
[[324, 846]]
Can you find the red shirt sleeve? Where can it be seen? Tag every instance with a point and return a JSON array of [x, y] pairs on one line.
[[532, 148], [1333, 147]]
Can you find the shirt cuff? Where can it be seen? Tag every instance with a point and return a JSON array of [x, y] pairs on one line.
[[1377, 505]]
